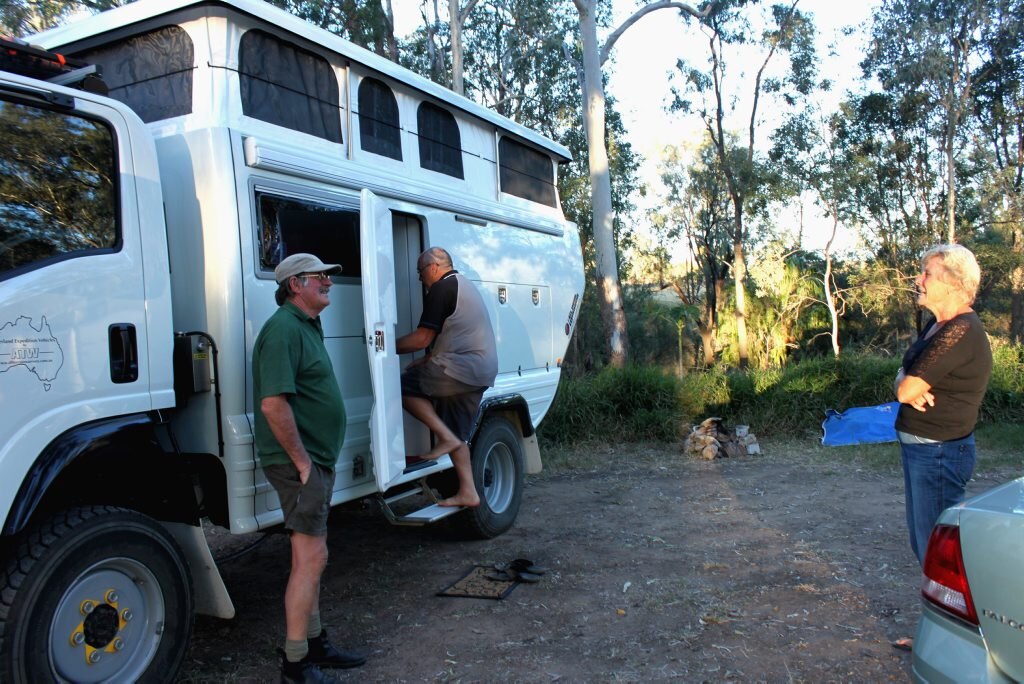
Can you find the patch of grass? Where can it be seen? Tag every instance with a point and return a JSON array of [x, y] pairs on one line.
[[877, 457], [559, 457], [591, 456], [999, 446]]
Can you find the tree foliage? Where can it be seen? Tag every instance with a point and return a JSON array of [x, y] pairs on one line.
[[703, 91], [25, 17], [923, 53], [364, 22]]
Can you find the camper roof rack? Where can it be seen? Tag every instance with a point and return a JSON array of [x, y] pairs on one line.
[[19, 57]]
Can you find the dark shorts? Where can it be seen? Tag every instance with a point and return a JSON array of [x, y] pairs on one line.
[[305, 506], [456, 402]]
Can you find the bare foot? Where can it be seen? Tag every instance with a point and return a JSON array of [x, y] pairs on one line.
[[471, 500], [441, 449], [904, 644]]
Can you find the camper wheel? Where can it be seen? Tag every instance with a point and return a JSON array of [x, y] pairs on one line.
[[95, 594], [498, 471]]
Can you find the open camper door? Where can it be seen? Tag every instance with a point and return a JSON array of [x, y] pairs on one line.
[[387, 442]]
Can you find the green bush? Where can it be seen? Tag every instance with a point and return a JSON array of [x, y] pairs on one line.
[[700, 394], [630, 404], [646, 404], [1004, 400], [793, 400]]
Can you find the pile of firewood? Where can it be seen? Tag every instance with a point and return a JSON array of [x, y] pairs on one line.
[[711, 439]]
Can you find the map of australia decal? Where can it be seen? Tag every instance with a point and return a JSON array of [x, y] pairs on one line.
[[34, 348]]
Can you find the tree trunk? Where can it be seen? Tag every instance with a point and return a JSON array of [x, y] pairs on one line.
[[1017, 306], [456, 20], [455, 25], [830, 300], [612, 312], [707, 340], [739, 272], [950, 181], [392, 42], [1017, 291]]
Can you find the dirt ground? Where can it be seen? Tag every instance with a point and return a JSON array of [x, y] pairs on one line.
[[789, 566]]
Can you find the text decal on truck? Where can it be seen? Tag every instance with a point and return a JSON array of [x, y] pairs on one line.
[[572, 314], [22, 344]]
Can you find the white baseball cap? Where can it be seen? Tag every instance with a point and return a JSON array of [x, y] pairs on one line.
[[297, 264]]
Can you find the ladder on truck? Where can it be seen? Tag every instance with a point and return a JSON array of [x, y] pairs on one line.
[[417, 517]]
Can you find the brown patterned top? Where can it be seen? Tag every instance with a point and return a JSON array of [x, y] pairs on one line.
[[956, 361]]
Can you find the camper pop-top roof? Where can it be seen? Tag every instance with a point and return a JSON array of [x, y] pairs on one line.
[[221, 62]]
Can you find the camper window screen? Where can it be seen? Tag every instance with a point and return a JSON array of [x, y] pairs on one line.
[[288, 226], [285, 85], [379, 130], [440, 143], [57, 192], [151, 72], [527, 173]]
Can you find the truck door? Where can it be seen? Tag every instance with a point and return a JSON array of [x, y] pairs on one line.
[[74, 334], [387, 442]]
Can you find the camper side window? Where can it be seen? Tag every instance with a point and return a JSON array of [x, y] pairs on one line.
[[58, 197], [526, 173], [289, 225], [288, 86], [440, 142], [150, 72], [379, 127]]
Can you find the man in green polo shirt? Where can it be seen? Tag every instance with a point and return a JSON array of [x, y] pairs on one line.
[[300, 427]]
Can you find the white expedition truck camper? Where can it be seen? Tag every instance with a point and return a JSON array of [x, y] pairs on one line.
[[138, 235]]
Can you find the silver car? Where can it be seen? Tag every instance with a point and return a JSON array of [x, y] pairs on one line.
[[972, 623]]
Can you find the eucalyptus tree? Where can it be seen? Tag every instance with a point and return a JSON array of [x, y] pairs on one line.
[[458, 13], [892, 187], [589, 69], [697, 204], [925, 52], [895, 179], [999, 111], [808, 150], [706, 91], [425, 50], [514, 62]]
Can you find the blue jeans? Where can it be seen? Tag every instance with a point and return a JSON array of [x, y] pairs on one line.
[[935, 476]]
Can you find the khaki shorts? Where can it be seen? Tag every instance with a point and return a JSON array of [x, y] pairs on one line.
[[305, 506], [456, 403]]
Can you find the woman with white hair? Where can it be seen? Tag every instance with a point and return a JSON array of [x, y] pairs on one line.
[[940, 387]]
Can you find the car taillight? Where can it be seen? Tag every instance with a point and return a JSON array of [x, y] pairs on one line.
[[945, 580]]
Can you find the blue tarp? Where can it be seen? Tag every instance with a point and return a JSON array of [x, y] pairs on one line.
[[861, 425]]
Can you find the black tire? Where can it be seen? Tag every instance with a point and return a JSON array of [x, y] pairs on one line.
[[498, 472], [98, 582]]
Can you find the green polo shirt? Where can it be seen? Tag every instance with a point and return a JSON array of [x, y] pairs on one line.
[[290, 358]]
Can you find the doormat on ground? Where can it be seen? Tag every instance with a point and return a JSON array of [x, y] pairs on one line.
[[476, 584]]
